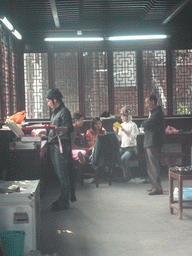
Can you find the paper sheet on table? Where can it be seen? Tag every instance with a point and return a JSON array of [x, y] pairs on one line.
[[15, 128]]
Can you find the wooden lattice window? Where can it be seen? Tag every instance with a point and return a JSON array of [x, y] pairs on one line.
[[1, 79], [65, 73], [13, 78], [36, 85], [5, 88], [155, 77], [182, 82], [125, 81], [8, 78], [95, 83]]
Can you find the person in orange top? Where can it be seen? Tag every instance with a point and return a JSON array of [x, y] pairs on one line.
[[91, 135]]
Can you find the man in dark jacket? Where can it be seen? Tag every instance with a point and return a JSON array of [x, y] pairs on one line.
[[154, 139]]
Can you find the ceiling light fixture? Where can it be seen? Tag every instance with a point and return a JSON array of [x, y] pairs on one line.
[[10, 27], [7, 23], [16, 33], [113, 38], [140, 37], [72, 39]]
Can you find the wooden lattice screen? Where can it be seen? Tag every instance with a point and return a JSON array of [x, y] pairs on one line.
[[8, 78], [65, 75], [36, 85], [13, 77], [5, 90], [95, 83], [125, 81], [182, 82], [94, 94], [155, 77]]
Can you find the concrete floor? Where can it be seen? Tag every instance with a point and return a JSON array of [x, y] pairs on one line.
[[117, 220]]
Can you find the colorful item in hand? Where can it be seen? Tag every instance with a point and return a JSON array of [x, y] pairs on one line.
[[118, 125]]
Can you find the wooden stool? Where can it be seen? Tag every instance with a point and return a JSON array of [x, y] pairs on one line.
[[180, 201]]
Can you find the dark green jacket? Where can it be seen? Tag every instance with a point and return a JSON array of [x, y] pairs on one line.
[[154, 129], [61, 117]]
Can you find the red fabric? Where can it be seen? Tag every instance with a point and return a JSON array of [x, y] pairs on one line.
[[91, 135], [18, 117]]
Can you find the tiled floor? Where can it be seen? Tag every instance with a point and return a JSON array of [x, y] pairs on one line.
[[117, 220]]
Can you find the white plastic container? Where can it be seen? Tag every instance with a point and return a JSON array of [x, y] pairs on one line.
[[21, 210]]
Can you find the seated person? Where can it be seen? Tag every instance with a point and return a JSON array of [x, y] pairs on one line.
[[127, 135], [77, 139], [91, 134]]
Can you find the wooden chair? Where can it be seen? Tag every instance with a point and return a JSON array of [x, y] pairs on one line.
[[87, 171], [105, 155]]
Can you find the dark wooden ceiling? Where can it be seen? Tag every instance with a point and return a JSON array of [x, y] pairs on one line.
[[32, 17]]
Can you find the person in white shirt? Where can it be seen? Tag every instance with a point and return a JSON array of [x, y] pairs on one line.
[[127, 135]]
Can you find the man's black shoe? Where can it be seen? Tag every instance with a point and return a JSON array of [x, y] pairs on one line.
[[156, 192]]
